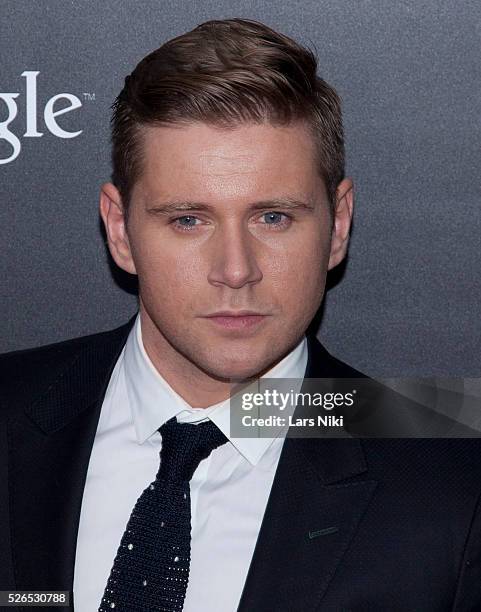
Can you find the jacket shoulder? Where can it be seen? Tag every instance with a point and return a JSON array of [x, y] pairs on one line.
[[30, 372], [322, 364]]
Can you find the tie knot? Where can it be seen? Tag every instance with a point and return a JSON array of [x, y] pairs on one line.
[[184, 445]]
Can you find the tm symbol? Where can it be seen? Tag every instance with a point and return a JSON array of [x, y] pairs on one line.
[[89, 96]]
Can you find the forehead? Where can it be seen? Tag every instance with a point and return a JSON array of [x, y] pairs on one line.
[[210, 161]]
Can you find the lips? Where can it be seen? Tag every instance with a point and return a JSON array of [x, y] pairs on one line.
[[236, 320]]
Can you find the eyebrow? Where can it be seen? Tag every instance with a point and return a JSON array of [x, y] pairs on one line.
[[166, 208]]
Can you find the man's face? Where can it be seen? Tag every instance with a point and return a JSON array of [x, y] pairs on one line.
[[223, 223]]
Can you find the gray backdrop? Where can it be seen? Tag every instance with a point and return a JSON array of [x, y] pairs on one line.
[[408, 300]]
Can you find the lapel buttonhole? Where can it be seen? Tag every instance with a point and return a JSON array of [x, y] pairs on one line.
[[322, 532]]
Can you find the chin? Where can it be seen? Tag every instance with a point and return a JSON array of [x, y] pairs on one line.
[[235, 370]]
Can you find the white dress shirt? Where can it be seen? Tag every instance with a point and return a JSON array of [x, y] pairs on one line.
[[229, 489]]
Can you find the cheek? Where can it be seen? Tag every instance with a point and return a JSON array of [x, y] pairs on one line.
[[298, 265], [166, 283], [174, 266]]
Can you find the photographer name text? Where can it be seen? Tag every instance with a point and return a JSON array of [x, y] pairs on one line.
[[291, 421]]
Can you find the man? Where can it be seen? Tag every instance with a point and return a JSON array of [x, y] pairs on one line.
[[230, 204]]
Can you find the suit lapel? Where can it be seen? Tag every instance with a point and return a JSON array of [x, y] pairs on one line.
[[49, 451], [314, 509]]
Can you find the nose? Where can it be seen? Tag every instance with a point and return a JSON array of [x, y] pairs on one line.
[[234, 262]]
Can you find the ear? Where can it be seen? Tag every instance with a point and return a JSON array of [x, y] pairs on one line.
[[342, 222], [113, 216]]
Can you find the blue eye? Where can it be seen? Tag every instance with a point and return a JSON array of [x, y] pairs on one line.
[[189, 221], [274, 218]]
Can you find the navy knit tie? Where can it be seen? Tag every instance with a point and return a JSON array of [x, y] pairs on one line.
[[151, 570]]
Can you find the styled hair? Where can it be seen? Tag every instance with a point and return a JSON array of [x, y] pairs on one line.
[[226, 73]]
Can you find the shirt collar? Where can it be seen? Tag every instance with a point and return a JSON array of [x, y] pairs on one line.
[[153, 401]]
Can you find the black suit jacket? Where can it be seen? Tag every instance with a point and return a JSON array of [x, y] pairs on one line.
[[351, 524]]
